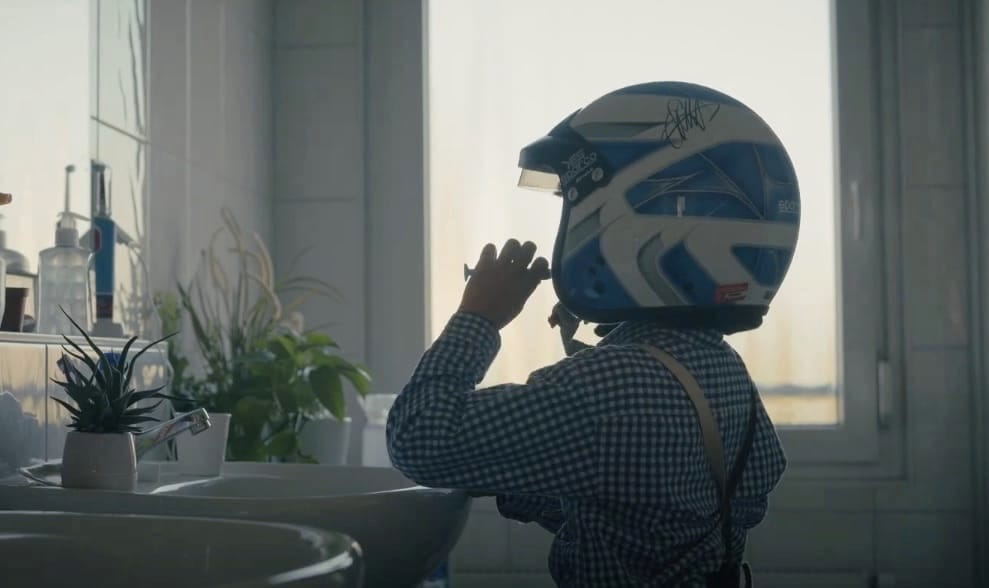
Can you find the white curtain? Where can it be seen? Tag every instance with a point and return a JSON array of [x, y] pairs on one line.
[[502, 74]]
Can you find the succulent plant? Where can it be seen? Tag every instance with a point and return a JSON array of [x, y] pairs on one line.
[[105, 401]]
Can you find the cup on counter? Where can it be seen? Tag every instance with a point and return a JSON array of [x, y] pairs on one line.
[[327, 440], [204, 454], [374, 452]]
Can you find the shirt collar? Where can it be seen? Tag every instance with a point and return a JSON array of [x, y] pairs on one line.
[[647, 333]]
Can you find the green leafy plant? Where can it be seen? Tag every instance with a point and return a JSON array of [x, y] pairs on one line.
[[298, 377], [105, 402], [255, 360]]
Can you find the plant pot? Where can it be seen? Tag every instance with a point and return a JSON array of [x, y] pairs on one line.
[[99, 461], [327, 440], [204, 454]]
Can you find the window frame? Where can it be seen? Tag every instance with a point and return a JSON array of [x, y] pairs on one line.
[[869, 364], [868, 442]]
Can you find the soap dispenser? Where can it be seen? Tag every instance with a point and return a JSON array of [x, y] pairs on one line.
[[63, 272]]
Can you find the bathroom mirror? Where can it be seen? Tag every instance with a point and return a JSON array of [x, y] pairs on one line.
[[74, 90]]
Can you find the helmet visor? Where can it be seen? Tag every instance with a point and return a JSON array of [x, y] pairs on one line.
[[544, 181]]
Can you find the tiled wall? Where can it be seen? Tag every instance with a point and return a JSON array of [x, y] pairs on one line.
[[210, 140], [319, 165], [210, 129], [349, 175]]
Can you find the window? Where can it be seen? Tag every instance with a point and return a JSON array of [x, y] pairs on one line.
[[502, 74]]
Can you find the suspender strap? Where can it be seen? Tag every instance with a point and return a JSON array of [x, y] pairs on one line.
[[713, 448], [709, 427]]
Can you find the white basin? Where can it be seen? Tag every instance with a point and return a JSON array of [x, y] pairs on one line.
[[54, 549], [404, 530]]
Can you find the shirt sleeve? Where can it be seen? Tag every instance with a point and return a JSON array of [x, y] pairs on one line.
[[534, 438]]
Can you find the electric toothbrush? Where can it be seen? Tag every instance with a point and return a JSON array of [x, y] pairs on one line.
[[103, 241]]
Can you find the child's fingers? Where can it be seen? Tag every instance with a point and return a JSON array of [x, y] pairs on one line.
[[540, 269]]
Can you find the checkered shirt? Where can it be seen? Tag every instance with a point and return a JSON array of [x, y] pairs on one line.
[[603, 449]]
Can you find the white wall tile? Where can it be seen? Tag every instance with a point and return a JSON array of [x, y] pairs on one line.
[[168, 229], [483, 546], [929, 12], [263, 220], [940, 442], [795, 541], [319, 133], [253, 212], [167, 83], [935, 262], [333, 234], [810, 494], [206, 72], [316, 22], [262, 144], [246, 89], [397, 327], [931, 542], [931, 108], [925, 579], [207, 195], [230, 160], [256, 16]]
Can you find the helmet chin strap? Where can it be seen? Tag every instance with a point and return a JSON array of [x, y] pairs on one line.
[[568, 323]]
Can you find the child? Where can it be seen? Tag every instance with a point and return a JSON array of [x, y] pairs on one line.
[[649, 455]]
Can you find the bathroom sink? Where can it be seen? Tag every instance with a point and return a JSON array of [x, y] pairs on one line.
[[404, 530], [54, 549]]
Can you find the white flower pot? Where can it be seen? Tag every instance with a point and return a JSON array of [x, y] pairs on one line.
[[327, 440], [99, 461], [204, 454]]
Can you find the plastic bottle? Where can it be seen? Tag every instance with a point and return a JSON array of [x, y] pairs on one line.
[[63, 273]]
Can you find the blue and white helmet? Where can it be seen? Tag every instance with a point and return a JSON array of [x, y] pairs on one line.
[[679, 204]]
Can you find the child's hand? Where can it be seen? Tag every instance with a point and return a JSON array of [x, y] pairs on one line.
[[500, 286]]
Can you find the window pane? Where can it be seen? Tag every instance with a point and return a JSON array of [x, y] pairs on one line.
[[501, 74]]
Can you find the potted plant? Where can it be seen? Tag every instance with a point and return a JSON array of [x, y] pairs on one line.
[[255, 359], [299, 378], [99, 451]]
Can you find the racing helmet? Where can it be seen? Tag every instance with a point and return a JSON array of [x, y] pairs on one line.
[[680, 204]]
